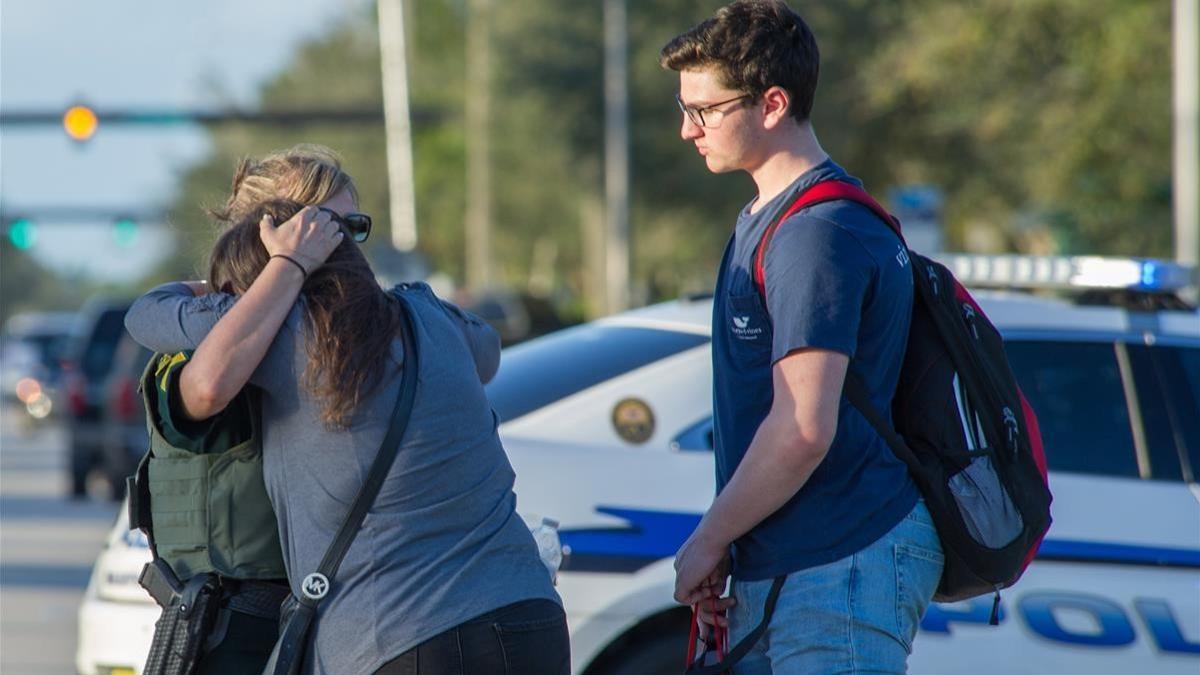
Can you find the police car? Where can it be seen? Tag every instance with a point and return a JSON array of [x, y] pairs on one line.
[[609, 428]]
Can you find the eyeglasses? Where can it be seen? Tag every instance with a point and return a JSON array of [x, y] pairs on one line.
[[708, 116], [357, 224]]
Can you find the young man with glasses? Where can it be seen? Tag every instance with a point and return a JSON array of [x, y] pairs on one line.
[[808, 494]]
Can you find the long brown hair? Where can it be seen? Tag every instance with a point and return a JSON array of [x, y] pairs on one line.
[[349, 320]]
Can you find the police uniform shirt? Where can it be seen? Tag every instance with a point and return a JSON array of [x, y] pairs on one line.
[[220, 432]]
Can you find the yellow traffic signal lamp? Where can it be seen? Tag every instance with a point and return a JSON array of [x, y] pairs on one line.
[[80, 122]]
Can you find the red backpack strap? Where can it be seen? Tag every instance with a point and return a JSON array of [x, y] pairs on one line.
[[825, 191]]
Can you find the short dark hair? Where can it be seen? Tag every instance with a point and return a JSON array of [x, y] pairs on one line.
[[754, 45]]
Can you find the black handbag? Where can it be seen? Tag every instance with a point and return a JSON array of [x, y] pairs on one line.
[[297, 615]]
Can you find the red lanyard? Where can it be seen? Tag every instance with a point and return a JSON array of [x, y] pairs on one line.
[[719, 634]]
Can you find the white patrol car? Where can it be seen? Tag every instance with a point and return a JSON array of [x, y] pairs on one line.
[[609, 428]]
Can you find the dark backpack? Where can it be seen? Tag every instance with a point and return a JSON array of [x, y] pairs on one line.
[[962, 425]]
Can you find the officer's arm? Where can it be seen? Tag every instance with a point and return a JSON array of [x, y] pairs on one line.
[[789, 445]]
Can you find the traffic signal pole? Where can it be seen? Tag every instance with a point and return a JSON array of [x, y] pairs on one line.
[[106, 117]]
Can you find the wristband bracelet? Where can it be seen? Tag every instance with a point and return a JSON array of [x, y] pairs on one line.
[[292, 260]]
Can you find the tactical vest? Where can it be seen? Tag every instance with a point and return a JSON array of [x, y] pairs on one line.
[[207, 512]]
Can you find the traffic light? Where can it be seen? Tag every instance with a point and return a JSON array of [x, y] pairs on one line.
[[22, 233], [80, 122], [125, 232]]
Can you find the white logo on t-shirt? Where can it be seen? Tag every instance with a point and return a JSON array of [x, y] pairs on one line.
[[902, 256], [742, 329]]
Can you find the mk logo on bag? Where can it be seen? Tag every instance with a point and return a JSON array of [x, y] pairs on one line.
[[315, 586]]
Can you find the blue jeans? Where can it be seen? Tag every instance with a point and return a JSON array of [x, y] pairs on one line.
[[855, 615]]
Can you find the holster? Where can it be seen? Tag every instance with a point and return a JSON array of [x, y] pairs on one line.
[[189, 611]]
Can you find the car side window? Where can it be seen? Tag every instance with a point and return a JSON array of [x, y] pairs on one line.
[[537, 373], [696, 438], [1078, 395], [1164, 451], [1182, 374]]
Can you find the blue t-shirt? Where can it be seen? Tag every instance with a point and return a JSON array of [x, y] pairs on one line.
[[837, 278]]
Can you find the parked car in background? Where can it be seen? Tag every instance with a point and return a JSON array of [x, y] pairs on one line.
[[32, 345], [89, 360], [609, 428], [515, 316], [123, 417]]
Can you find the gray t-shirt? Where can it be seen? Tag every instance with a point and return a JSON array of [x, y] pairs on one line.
[[442, 543]]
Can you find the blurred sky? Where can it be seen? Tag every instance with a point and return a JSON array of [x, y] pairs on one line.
[[128, 54]]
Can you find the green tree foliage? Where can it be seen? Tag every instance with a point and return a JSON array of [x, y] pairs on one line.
[[1034, 116], [27, 285], [341, 69], [1049, 116]]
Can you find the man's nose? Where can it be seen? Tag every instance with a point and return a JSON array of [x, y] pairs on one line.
[[690, 130]]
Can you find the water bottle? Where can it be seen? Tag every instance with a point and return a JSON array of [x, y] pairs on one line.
[[545, 533]]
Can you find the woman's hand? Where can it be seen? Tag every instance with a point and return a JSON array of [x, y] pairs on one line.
[[308, 237]]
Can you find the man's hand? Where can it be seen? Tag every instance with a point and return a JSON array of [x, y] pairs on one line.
[[701, 570], [712, 615], [308, 237]]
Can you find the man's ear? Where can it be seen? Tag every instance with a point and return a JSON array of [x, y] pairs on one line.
[[775, 104]]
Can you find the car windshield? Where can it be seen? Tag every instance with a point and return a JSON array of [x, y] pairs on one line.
[[542, 371], [102, 343]]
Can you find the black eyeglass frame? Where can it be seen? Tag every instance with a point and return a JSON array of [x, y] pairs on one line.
[[357, 224], [696, 115]]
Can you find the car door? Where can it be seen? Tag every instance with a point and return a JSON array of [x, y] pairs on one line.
[[1115, 586]]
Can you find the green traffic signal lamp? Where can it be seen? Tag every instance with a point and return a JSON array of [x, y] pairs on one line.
[[125, 232], [22, 233]]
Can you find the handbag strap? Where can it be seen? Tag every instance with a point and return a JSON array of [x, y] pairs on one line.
[[383, 461]]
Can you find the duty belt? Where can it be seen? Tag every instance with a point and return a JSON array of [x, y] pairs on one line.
[[257, 598]]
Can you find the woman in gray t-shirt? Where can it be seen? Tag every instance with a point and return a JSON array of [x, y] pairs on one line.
[[444, 577]]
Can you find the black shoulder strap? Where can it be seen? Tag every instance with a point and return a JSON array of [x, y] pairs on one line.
[[859, 396], [385, 458]]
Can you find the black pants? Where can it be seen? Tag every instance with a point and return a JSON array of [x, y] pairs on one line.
[[524, 638], [246, 631], [245, 648]]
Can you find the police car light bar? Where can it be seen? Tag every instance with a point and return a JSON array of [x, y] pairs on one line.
[[1075, 272]]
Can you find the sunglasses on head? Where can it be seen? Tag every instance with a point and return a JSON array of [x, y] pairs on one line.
[[357, 224]]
